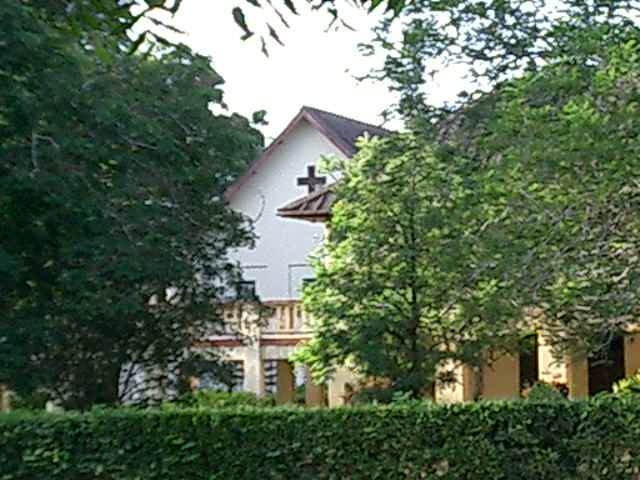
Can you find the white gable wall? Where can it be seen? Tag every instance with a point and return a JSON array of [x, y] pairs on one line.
[[279, 263]]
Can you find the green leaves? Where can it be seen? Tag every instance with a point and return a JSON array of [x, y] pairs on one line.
[[239, 18], [112, 175], [404, 275], [495, 40], [572, 169], [546, 440]]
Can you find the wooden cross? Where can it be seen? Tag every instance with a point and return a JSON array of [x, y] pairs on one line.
[[311, 181]]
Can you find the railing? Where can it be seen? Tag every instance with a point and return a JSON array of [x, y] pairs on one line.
[[273, 317], [288, 317]]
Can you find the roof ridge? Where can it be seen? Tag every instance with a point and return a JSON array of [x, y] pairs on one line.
[[343, 117]]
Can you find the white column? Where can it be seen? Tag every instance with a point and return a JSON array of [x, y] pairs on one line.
[[551, 370], [337, 389], [253, 369], [450, 392]]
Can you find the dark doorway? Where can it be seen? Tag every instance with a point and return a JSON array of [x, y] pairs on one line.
[[528, 361], [607, 368]]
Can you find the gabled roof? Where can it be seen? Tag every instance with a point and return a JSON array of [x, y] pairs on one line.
[[343, 132], [314, 207]]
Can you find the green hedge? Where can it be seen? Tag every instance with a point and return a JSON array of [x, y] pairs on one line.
[[486, 441]]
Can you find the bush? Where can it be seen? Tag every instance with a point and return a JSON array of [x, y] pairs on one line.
[[628, 386], [217, 399], [35, 401], [546, 392], [380, 395], [595, 440], [372, 394]]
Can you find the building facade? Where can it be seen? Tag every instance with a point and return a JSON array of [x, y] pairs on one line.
[[278, 266], [288, 199]]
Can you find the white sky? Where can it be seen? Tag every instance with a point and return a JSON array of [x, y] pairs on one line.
[[314, 68]]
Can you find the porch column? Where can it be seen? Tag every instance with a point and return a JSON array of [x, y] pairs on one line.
[[578, 376], [451, 392], [5, 399], [501, 379], [314, 394], [337, 386], [284, 382], [471, 383], [253, 370], [551, 370], [631, 354]]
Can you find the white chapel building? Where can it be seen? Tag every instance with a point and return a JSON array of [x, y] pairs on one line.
[[287, 170], [278, 266]]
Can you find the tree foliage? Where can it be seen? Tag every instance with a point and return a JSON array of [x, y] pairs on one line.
[[531, 193], [404, 287], [553, 132], [115, 20], [287, 8], [560, 151], [494, 40], [114, 230]]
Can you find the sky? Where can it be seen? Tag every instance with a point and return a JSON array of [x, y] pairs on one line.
[[314, 68]]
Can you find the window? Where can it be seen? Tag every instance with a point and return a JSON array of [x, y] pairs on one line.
[[246, 290]]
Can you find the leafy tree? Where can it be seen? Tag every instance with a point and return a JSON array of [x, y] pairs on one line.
[[404, 287], [553, 132], [561, 148], [113, 20], [495, 40], [290, 7], [114, 230]]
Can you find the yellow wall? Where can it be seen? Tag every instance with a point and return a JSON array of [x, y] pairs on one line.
[[501, 380], [578, 376], [631, 353], [5, 399], [314, 394], [285, 383], [469, 384]]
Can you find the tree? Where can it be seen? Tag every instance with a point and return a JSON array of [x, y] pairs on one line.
[[495, 40], [114, 228], [561, 149], [115, 20], [552, 129], [333, 7], [404, 286]]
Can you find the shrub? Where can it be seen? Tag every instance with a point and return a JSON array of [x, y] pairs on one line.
[[595, 440], [546, 392], [219, 399], [628, 386], [372, 394], [34, 401]]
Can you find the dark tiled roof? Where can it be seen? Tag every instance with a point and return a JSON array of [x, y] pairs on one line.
[[314, 207], [344, 131]]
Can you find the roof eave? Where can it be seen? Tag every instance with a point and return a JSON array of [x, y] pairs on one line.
[[303, 114], [305, 215]]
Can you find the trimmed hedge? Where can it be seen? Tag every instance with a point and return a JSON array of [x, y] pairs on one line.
[[599, 439], [210, 399]]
